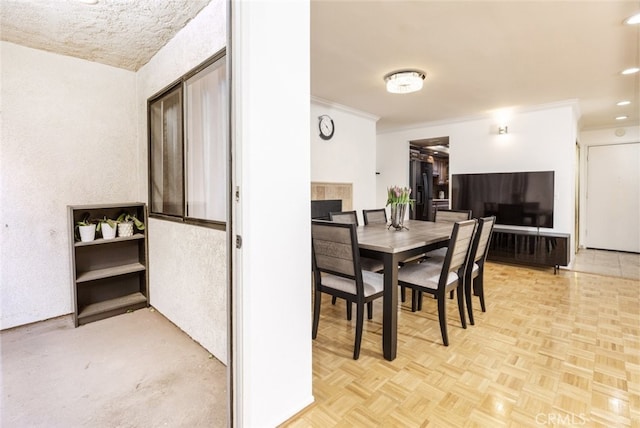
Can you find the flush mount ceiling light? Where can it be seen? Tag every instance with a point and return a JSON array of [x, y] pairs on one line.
[[633, 19], [91, 2], [622, 117], [623, 103], [404, 81], [631, 70]]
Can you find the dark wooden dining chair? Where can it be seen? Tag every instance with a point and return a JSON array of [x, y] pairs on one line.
[[350, 217], [338, 272], [375, 216], [475, 267], [372, 265], [446, 216], [439, 277], [451, 216]]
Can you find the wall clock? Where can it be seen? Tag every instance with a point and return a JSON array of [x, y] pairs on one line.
[[325, 124]]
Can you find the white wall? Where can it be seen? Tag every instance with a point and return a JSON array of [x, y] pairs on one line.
[[540, 139], [598, 137], [272, 271], [68, 138], [349, 156], [187, 264]]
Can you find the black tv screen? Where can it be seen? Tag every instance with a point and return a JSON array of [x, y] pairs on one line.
[[515, 198]]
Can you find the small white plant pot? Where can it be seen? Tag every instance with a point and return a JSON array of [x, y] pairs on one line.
[[125, 229], [87, 233], [108, 232]]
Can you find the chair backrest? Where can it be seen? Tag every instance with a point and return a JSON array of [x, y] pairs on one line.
[[458, 249], [480, 246], [349, 217], [376, 216], [335, 250], [451, 216]]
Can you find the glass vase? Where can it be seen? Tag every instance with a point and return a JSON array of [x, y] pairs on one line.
[[397, 216]]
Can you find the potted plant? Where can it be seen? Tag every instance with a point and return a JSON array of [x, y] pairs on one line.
[[108, 227], [86, 228], [126, 222]]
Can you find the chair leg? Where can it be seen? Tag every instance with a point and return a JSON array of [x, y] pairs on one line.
[[460, 294], [316, 313], [359, 322], [419, 300], [369, 310], [333, 300], [478, 290], [414, 300], [442, 316], [403, 293], [451, 294], [348, 310], [467, 295]]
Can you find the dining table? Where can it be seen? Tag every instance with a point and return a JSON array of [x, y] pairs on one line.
[[392, 246]]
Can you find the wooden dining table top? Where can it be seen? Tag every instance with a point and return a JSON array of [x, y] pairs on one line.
[[419, 233]]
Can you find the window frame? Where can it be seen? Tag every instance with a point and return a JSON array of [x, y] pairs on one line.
[[181, 83]]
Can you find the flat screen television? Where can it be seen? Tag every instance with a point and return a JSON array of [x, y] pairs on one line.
[[515, 198]]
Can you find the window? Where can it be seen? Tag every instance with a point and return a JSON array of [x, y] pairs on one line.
[[188, 135], [166, 154]]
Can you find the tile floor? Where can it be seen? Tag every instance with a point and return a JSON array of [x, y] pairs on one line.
[[610, 263]]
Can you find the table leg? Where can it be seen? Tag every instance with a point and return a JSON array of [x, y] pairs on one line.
[[390, 307]]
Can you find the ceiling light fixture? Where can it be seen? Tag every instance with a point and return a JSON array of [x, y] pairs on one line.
[[623, 103], [631, 70], [633, 19], [90, 2], [621, 117], [404, 81]]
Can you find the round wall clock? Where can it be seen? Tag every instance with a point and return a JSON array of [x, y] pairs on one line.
[[325, 124]]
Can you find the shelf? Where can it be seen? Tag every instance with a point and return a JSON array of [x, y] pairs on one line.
[[100, 241], [110, 275], [112, 305], [109, 272]]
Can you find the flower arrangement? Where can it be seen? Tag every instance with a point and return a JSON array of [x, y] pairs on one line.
[[399, 195]]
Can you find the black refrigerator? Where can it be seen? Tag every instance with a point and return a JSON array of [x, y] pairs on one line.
[[421, 182]]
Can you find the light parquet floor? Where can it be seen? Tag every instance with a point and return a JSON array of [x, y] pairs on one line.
[[551, 350]]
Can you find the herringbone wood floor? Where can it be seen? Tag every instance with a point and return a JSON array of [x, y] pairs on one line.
[[551, 350]]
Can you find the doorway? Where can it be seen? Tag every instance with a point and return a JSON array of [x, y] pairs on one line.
[[429, 176], [613, 208]]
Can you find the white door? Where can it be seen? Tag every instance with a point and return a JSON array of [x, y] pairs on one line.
[[613, 197]]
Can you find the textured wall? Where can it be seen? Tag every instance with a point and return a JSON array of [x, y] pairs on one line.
[[68, 137], [188, 275]]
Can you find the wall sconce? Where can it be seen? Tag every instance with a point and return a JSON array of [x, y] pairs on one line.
[[503, 129]]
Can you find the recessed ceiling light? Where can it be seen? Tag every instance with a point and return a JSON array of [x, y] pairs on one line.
[[633, 19], [622, 117], [623, 103], [88, 1], [631, 70]]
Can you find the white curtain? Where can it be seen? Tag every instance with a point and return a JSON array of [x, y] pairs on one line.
[[207, 130]]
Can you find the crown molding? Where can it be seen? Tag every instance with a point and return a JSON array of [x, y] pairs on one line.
[[330, 104]]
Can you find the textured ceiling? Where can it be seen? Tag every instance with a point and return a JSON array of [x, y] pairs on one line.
[[121, 33]]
